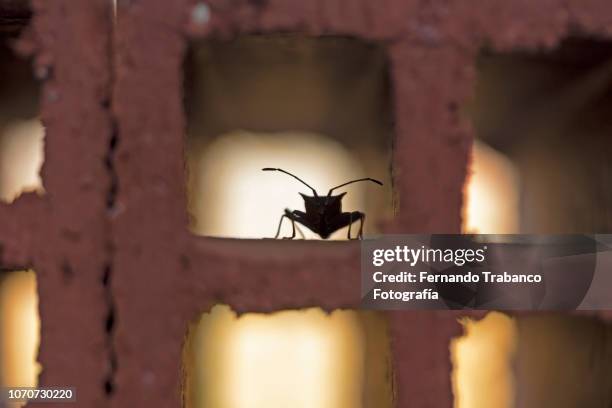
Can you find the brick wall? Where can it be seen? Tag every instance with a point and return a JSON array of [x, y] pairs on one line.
[[119, 274]]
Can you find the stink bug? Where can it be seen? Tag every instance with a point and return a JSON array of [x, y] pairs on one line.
[[323, 215]]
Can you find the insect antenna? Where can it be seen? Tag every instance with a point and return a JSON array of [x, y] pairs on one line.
[[292, 175], [354, 181]]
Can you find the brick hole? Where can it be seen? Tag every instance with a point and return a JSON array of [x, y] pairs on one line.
[[547, 113], [563, 361], [482, 363], [21, 131], [533, 361], [492, 193], [304, 358], [19, 329], [317, 107]]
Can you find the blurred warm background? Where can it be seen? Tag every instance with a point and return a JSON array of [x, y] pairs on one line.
[[19, 330], [543, 125], [301, 358], [483, 363], [248, 203], [492, 193], [21, 158], [21, 132]]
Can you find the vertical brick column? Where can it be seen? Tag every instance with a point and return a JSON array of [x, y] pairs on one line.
[[63, 235]]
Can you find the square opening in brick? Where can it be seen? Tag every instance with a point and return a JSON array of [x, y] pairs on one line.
[[483, 361], [317, 107], [296, 358], [544, 141], [21, 131], [19, 329], [532, 362]]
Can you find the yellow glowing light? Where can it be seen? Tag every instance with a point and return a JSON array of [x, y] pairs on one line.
[[491, 194], [21, 157], [301, 359], [232, 197], [19, 330], [482, 363]]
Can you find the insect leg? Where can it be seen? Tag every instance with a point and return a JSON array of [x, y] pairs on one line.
[[297, 227], [293, 216], [345, 219], [362, 219], [301, 218], [298, 216], [354, 216], [292, 229], [280, 223]]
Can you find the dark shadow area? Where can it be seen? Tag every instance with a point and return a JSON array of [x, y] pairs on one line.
[[563, 362], [14, 16]]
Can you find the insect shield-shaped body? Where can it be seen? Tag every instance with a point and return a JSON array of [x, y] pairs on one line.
[[323, 214]]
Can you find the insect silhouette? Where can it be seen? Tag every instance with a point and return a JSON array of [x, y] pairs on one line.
[[323, 214]]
